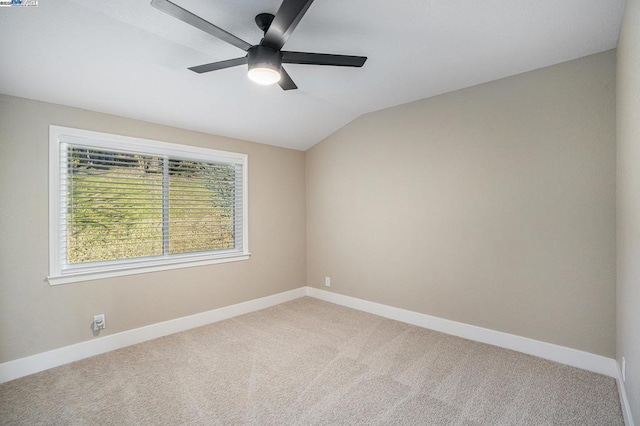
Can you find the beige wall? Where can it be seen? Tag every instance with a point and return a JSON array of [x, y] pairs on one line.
[[36, 317], [493, 206], [628, 115]]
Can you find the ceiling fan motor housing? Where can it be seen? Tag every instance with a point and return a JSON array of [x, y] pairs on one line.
[[264, 57]]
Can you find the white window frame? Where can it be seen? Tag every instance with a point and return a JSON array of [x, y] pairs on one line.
[[97, 270]]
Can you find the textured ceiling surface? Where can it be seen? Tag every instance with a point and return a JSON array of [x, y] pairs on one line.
[[124, 57]]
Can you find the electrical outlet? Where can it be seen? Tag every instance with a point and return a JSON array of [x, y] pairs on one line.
[[327, 281], [99, 322], [624, 369]]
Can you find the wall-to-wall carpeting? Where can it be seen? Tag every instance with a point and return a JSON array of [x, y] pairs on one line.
[[310, 362]]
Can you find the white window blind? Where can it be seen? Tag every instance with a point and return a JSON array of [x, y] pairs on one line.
[[125, 204]]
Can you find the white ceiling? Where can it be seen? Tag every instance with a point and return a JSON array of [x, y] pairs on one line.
[[124, 57]]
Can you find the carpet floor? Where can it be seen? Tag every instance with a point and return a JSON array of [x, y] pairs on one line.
[[309, 362]]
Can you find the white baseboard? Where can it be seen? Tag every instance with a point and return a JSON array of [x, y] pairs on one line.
[[33, 364], [43, 361], [573, 357], [624, 401]]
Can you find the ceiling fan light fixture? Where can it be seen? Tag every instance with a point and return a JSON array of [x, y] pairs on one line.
[[264, 74], [264, 65]]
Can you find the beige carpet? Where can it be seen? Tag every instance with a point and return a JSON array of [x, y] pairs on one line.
[[309, 362]]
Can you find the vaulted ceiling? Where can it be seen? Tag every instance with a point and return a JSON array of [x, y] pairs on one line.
[[124, 57]]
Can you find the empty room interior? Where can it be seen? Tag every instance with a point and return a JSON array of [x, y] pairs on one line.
[[297, 212]]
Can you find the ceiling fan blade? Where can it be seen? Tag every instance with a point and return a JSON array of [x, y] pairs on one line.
[[287, 18], [285, 81], [185, 16], [322, 59], [213, 66]]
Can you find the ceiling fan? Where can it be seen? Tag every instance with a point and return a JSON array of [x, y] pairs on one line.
[[264, 59]]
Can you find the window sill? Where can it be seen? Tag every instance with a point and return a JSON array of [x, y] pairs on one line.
[[73, 277]]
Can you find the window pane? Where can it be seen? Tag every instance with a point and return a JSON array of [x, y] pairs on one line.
[[122, 205], [114, 205], [201, 206]]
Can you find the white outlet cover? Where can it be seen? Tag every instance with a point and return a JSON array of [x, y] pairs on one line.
[[327, 281], [100, 319]]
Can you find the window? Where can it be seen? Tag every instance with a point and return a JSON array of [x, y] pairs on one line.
[[121, 205]]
